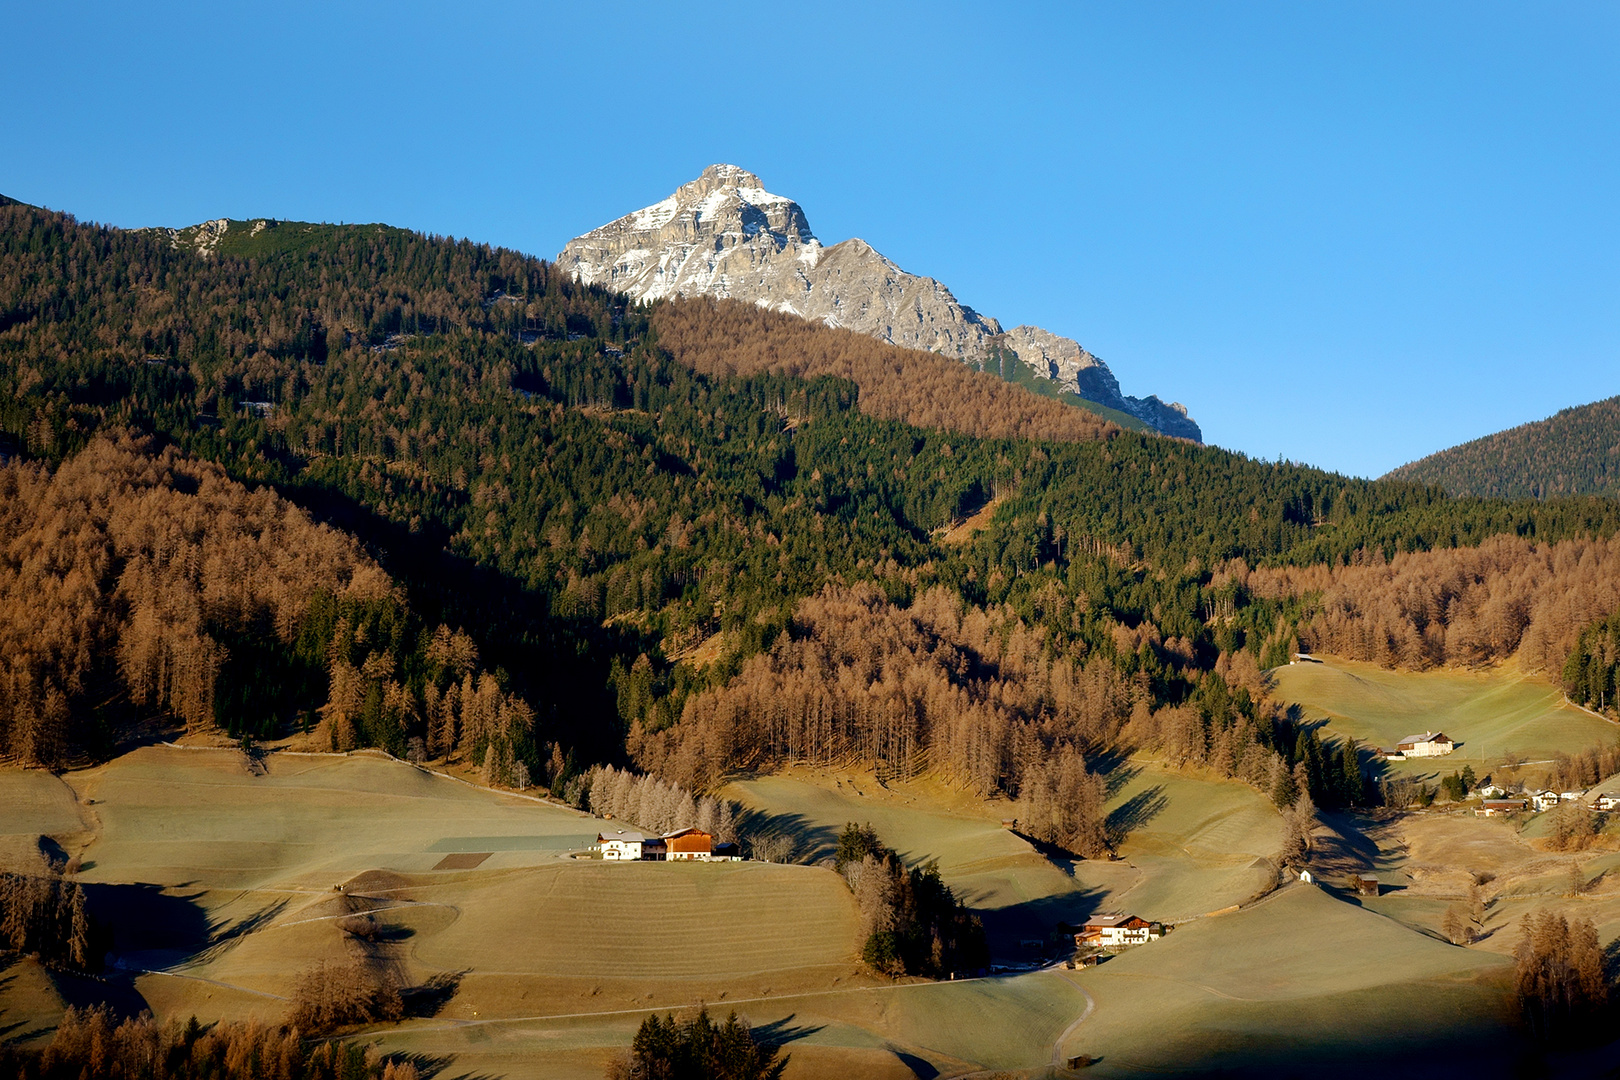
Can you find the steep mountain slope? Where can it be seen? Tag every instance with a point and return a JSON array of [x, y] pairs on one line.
[[591, 490], [1576, 452], [723, 235]]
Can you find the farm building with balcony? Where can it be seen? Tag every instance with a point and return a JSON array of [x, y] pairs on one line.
[[1114, 930]]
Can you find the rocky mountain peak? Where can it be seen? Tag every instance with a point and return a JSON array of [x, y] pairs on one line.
[[724, 235]]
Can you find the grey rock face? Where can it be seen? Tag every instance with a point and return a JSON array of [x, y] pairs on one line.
[[724, 235]]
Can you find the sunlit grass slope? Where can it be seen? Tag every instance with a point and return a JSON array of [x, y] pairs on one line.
[[1302, 984], [1490, 713]]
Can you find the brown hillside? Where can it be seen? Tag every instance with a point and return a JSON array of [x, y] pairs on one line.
[[727, 337]]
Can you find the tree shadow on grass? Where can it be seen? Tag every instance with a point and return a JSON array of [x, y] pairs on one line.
[[17, 1030], [1007, 929], [1061, 858], [140, 923], [809, 841], [116, 991], [1137, 811], [1116, 769], [1347, 847], [920, 1068], [428, 998], [779, 1033], [1611, 961], [428, 1066]]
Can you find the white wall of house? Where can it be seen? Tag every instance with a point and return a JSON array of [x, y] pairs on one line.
[[621, 850]]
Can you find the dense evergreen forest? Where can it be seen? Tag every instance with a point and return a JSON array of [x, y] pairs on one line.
[[1576, 452], [569, 495]]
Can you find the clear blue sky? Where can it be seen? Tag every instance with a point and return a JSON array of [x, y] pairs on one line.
[[1349, 234]]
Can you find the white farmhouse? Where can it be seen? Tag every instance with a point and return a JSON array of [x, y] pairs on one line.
[[1545, 800], [622, 845], [1115, 930], [1428, 744]]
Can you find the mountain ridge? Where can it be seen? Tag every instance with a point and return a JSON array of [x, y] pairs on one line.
[[724, 236], [1576, 451]]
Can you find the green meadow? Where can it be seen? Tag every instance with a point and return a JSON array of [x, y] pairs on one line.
[[1492, 714]]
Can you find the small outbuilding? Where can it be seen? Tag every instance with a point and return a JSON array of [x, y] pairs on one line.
[[1364, 884], [1498, 807]]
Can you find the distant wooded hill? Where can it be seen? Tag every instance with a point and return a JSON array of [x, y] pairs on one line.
[[1576, 452]]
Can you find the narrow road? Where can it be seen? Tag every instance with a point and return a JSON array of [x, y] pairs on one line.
[[1058, 1060], [210, 982]]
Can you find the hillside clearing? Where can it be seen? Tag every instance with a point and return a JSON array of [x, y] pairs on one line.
[[1491, 714]]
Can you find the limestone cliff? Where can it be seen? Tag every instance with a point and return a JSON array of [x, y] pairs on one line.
[[724, 235]]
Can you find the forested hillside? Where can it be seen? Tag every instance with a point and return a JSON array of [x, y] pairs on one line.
[[135, 582], [1576, 452], [580, 492]]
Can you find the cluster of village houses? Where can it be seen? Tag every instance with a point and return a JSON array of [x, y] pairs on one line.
[[682, 845], [1496, 800]]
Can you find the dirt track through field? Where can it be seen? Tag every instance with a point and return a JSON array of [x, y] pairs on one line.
[[1058, 1059]]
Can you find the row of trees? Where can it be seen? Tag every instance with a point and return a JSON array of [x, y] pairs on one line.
[[1592, 669], [45, 916], [698, 1048], [1559, 974], [94, 1043], [656, 805], [911, 922]]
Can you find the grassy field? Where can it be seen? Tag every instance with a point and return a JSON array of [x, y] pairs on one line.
[[1490, 714], [1290, 986], [218, 880], [1191, 844]]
